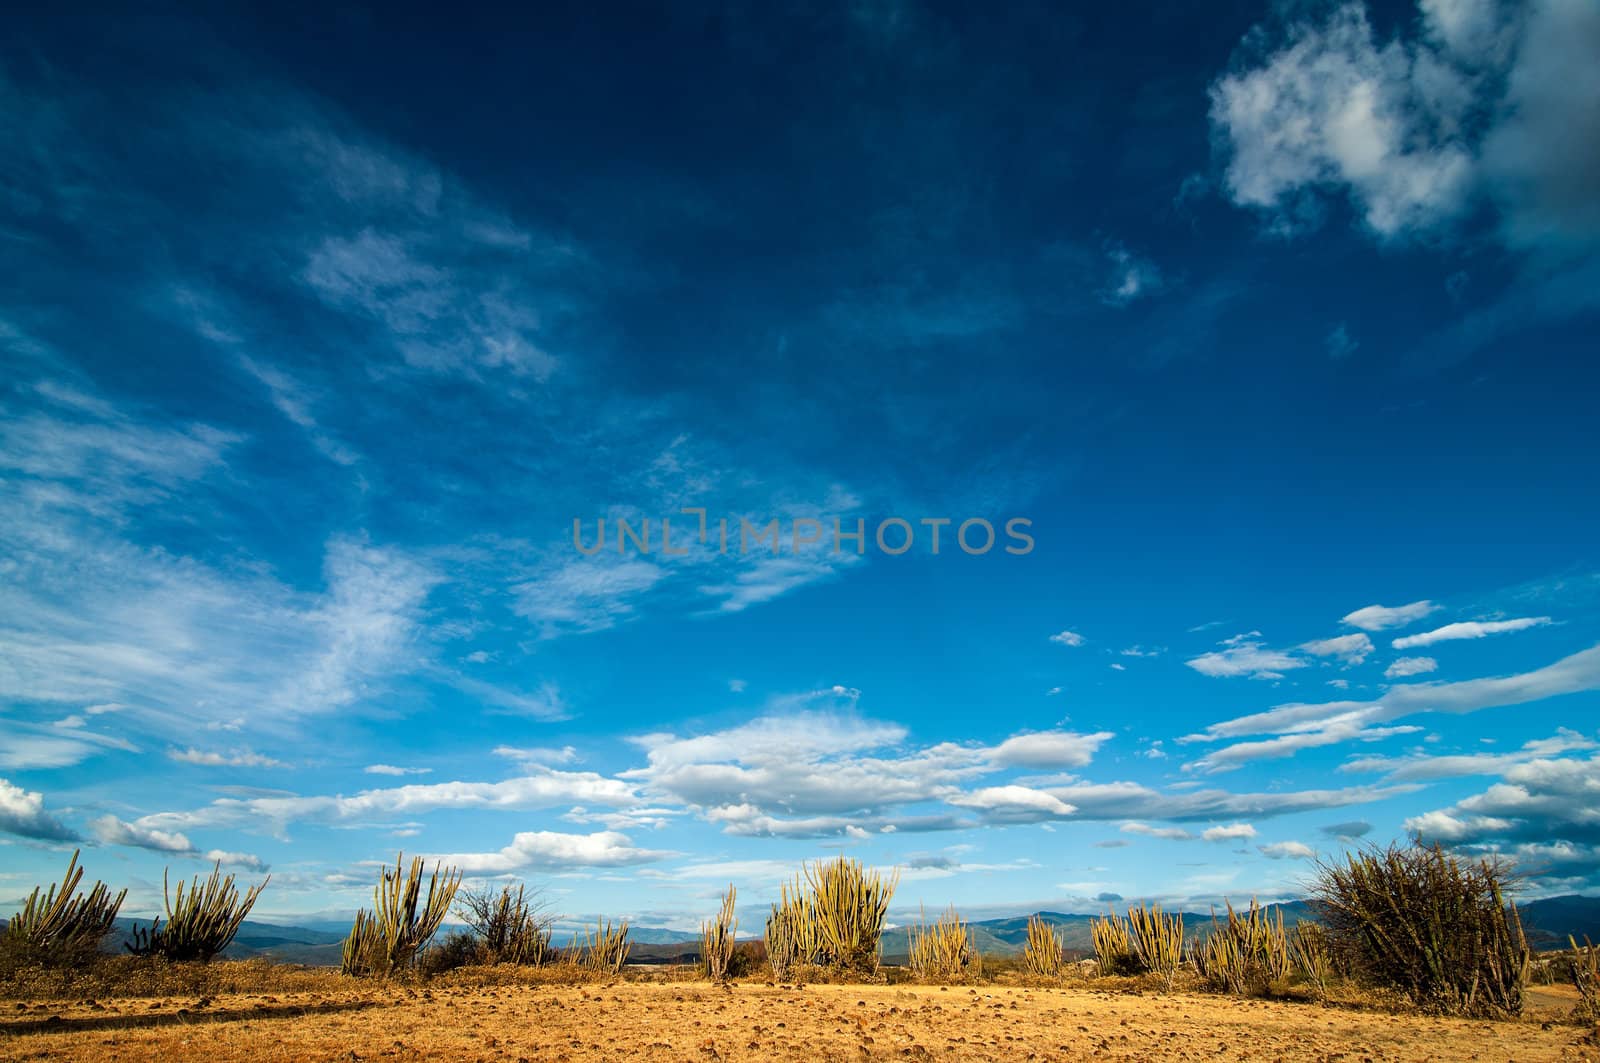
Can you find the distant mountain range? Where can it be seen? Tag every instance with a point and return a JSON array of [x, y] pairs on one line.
[[1547, 921]]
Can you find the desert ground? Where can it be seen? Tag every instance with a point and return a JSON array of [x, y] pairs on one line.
[[754, 1021]]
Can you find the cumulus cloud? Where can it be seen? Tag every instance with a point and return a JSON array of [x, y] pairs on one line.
[[22, 813], [1407, 666], [1288, 851], [1228, 833], [1399, 126], [1068, 638], [1350, 649], [112, 831], [1383, 617], [1049, 749], [1130, 277], [1014, 804], [1469, 629]]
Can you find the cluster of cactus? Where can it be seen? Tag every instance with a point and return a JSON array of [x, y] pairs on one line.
[[717, 940], [1245, 954], [201, 922], [943, 952], [1042, 955], [604, 949], [387, 940], [1157, 940], [1308, 948], [832, 918], [1113, 946], [1585, 964], [63, 926], [1417, 920]]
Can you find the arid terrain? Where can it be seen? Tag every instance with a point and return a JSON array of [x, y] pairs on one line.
[[698, 1021]]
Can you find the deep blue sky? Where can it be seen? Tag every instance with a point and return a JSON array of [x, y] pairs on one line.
[[321, 326]]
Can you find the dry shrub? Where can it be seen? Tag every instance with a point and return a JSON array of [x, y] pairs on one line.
[[509, 927], [1419, 921], [134, 976]]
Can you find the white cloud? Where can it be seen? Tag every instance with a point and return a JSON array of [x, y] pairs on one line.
[[1350, 649], [1407, 666], [1130, 277], [542, 789], [1383, 617], [22, 813], [1288, 850], [112, 831], [1301, 725], [1244, 655], [236, 758], [1068, 638], [1430, 768], [391, 769], [1014, 804], [1177, 834], [242, 861], [1049, 749], [1228, 833], [1469, 629], [553, 851], [538, 754]]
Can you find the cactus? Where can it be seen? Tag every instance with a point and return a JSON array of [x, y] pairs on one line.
[[1246, 954], [605, 949], [1042, 955], [60, 927], [1585, 966], [1157, 941], [387, 940], [849, 904], [943, 951], [1308, 947], [717, 939], [1113, 946], [201, 922]]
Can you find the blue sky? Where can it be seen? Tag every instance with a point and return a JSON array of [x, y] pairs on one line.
[[1276, 323]]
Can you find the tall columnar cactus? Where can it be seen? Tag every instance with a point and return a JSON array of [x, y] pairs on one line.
[[62, 926], [717, 939], [388, 939], [1157, 940], [850, 904], [605, 948], [1308, 948], [1042, 956], [201, 922], [943, 951], [1245, 954], [1113, 945]]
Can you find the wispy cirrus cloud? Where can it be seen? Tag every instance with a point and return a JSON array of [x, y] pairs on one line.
[[1469, 629]]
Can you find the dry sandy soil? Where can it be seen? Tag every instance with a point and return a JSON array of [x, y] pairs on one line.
[[700, 1022]]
